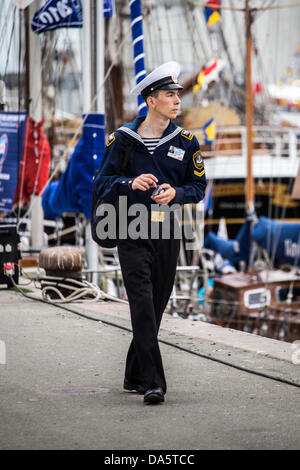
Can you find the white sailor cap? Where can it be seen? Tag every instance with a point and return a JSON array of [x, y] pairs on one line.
[[163, 77]]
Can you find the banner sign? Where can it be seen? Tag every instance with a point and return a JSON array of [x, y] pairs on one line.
[[108, 8], [12, 129], [58, 14]]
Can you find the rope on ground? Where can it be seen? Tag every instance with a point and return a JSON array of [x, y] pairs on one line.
[[87, 291]]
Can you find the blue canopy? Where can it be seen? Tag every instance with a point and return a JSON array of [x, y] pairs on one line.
[[281, 240], [233, 250], [73, 192]]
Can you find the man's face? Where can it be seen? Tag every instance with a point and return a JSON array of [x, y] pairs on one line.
[[167, 103]]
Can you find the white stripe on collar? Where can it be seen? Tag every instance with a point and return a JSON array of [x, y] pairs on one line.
[[170, 136], [161, 142], [132, 133]]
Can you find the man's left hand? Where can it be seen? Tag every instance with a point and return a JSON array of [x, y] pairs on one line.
[[167, 196]]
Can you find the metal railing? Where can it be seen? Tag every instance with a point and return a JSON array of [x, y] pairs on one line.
[[276, 151]]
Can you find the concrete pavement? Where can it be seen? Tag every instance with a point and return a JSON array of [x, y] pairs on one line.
[[61, 384]]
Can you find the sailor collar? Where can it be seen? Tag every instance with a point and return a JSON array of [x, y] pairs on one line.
[[131, 129]]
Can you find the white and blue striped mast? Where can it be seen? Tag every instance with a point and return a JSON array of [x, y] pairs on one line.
[[136, 18]]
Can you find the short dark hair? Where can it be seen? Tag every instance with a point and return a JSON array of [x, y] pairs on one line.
[[153, 93]]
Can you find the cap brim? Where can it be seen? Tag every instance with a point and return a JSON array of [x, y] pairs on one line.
[[167, 69]]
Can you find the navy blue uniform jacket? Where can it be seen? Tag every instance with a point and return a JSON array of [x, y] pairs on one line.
[[176, 160]]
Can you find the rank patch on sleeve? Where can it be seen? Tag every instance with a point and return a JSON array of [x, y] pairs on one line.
[[187, 134], [197, 173], [198, 160], [111, 139]]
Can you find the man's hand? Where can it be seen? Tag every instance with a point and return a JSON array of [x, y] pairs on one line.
[[167, 196], [144, 182]]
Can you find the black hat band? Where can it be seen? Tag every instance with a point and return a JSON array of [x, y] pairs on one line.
[[166, 83]]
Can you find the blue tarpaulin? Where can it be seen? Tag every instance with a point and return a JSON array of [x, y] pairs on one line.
[[280, 239], [73, 192], [232, 250]]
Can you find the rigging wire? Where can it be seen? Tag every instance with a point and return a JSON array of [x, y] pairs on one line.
[[193, 18], [9, 47], [79, 128], [160, 41], [9, 12], [171, 42], [174, 345], [150, 43]]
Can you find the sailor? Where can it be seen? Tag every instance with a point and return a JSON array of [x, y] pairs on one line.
[[164, 156]]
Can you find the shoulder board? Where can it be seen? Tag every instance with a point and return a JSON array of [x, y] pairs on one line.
[[187, 134], [111, 138]]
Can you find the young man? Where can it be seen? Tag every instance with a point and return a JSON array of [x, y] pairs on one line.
[[164, 155]]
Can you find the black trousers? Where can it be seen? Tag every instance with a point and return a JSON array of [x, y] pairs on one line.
[[148, 269]]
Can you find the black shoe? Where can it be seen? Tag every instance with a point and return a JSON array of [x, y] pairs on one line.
[[133, 388], [154, 395]]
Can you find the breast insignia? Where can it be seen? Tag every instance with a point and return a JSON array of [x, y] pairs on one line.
[[187, 134], [111, 138], [198, 160]]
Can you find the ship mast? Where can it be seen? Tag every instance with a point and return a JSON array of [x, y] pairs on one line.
[[249, 190]]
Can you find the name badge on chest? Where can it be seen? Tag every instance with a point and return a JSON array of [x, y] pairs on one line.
[[175, 152]]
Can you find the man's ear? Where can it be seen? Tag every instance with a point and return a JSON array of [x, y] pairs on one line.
[[150, 100]]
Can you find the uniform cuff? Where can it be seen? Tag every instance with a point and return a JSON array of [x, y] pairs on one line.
[[179, 195], [124, 188]]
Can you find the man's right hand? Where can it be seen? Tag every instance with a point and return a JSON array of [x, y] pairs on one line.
[[144, 182]]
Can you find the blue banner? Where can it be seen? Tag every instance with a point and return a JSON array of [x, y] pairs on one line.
[[12, 128], [58, 14], [108, 8]]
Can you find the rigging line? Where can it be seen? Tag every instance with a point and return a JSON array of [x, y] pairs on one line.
[[168, 343], [223, 7], [238, 32], [275, 7], [148, 30], [45, 58], [169, 32], [8, 52], [267, 42], [10, 43], [277, 234], [277, 42], [20, 17], [44, 141], [160, 57], [220, 28], [200, 19], [192, 19], [262, 78], [79, 128], [6, 21], [287, 312]]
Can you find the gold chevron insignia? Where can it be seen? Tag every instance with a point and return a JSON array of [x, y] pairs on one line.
[[199, 174]]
